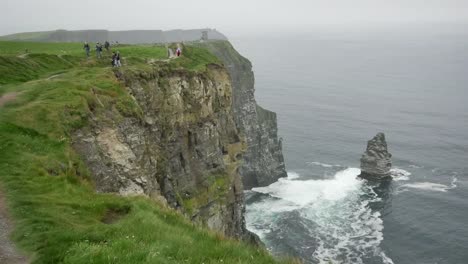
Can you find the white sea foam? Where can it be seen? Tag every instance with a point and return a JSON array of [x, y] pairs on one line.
[[345, 229], [430, 186], [302, 193], [400, 174], [325, 165], [385, 259], [292, 175], [453, 184]]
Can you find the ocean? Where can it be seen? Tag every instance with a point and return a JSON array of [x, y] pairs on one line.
[[333, 89]]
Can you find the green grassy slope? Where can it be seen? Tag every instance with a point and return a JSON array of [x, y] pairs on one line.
[[59, 218]]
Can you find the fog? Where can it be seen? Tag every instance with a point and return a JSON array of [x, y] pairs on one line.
[[230, 17]]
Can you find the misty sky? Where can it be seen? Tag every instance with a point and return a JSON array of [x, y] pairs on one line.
[[230, 16]]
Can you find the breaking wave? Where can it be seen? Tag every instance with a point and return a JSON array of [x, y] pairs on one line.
[[334, 214], [292, 175]]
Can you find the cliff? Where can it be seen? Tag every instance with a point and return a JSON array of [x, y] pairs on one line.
[[263, 161], [199, 140], [150, 137], [376, 160], [184, 149]]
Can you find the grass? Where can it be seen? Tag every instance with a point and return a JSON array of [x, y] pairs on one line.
[[195, 59], [20, 47], [14, 69], [59, 217], [216, 187]]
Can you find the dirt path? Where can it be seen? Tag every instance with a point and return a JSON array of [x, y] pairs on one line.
[[7, 98], [8, 252], [171, 54]]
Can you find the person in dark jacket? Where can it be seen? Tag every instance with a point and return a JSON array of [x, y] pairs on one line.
[[107, 45], [117, 59], [98, 50], [86, 48], [114, 59]]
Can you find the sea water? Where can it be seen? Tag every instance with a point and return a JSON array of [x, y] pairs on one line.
[[334, 89]]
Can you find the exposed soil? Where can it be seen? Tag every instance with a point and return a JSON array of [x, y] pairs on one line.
[[7, 98], [8, 251], [113, 215]]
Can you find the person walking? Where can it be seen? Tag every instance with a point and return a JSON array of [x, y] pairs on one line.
[[178, 52], [98, 50], [107, 45], [86, 48], [117, 59], [114, 59]]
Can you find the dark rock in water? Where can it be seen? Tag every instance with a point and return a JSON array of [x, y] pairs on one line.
[[376, 160]]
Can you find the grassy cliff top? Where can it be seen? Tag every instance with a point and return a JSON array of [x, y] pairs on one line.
[[22, 61], [59, 217]]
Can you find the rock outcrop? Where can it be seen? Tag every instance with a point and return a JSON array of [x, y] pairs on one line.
[[263, 161], [376, 160]]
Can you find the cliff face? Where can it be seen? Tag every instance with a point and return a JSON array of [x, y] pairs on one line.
[[263, 161], [191, 139], [181, 146]]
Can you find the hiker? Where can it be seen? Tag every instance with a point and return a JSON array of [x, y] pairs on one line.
[[117, 60], [178, 52], [114, 59], [86, 48], [98, 50], [107, 45]]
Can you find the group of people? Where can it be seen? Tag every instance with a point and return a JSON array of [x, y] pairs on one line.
[[99, 48], [116, 55]]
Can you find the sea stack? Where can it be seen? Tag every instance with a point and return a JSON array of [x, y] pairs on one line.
[[376, 160]]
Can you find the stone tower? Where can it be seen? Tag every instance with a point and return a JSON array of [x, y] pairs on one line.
[[204, 35]]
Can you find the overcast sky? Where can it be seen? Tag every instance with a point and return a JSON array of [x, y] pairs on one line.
[[229, 16]]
